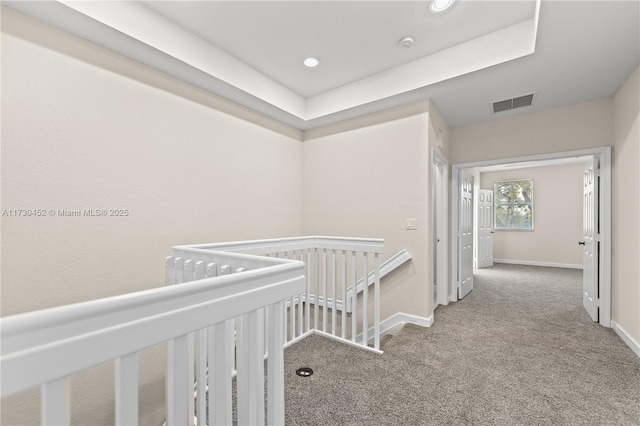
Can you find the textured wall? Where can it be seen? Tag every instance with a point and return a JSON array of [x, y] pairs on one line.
[[626, 207], [78, 136]]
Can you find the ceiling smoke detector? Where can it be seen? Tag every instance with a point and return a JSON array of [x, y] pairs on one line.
[[406, 42]]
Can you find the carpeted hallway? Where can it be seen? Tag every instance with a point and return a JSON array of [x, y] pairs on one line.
[[519, 349]]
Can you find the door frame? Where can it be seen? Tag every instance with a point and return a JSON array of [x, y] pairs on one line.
[[604, 155], [440, 209]]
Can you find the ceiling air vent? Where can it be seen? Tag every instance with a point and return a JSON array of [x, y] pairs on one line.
[[507, 104]]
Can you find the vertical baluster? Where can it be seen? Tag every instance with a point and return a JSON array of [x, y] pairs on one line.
[[300, 306], [308, 291], [200, 358], [179, 388], [267, 334], [334, 310], [188, 276], [56, 402], [127, 390], [275, 367], [354, 302], [316, 295], [376, 301], [324, 290], [200, 351], [242, 370], [256, 367], [292, 309], [177, 405], [285, 330], [250, 375], [365, 298], [285, 320], [177, 270], [168, 266], [211, 270], [198, 270], [221, 348], [344, 294]]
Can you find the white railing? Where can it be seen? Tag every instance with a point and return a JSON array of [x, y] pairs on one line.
[[45, 348], [386, 268], [335, 269]]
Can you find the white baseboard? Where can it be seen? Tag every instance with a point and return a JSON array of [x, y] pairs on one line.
[[535, 263], [398, 320], [402, 318], [635, 346]]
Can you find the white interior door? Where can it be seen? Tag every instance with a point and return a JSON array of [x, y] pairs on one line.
[[485, 231], [441, 229], [465, 235], [590, 240]]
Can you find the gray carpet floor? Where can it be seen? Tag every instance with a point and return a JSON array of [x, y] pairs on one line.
[[518, 350]]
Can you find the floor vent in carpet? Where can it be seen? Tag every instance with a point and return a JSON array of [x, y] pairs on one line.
[[304, 372]]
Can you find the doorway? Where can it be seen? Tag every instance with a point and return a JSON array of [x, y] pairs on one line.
[[603, 157], [440, 226]]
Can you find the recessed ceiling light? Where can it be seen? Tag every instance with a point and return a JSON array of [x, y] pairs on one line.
[[438, 6], [311, 62]]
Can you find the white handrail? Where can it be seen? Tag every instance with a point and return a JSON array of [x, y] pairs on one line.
[[326, 289], [46, 347], [277, 245]]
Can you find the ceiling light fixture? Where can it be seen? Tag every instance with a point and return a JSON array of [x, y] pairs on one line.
[[438, 6], [311, 62]]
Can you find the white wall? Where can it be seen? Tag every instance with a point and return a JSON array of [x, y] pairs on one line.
[[557, 216], [626, 207], [75, 135]]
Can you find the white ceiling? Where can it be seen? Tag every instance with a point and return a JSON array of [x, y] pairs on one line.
[[353, 39], [463, 60]]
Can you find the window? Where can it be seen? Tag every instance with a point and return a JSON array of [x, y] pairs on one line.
[[513, 205]]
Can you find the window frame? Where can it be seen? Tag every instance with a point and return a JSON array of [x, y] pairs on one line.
[[495, 205]]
